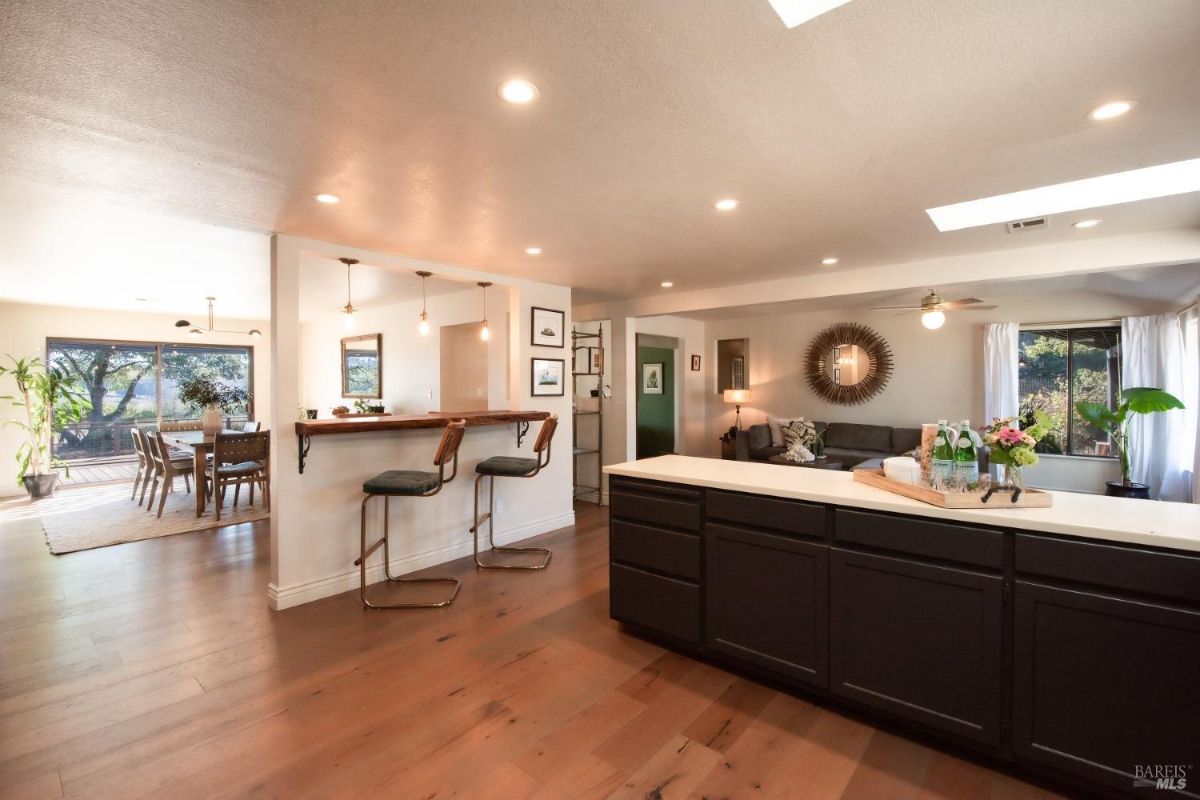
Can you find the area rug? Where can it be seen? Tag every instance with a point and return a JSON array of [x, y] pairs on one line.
[[87, 517]]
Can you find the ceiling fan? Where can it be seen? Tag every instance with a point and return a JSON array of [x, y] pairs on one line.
[[933, 308]]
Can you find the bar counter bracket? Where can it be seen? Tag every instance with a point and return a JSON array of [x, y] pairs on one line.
[[522, 429], [304, 441]]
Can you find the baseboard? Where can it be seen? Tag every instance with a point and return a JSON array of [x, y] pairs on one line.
[[279, 598]]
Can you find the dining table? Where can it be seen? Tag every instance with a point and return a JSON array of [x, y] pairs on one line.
[[200, 444]]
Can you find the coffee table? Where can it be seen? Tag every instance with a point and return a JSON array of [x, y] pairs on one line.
[[821, 463]]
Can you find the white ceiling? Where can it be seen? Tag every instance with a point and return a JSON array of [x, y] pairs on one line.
[[1170, 286], [835, 135], [323, 286]]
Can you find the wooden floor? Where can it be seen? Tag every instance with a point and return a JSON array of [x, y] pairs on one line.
[[154, 670]]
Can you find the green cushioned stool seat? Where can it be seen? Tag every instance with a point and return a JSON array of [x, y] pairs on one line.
[[243, 468], [402, 482], [507, 466]]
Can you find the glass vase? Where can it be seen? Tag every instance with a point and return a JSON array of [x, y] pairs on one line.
[[1011, 479]]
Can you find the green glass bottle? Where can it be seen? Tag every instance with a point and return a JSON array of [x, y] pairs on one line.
[[942, 462], [966, 456]]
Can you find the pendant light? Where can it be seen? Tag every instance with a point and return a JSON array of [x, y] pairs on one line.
[[484, 333], [196, 332], [423, 327], [348, 309]]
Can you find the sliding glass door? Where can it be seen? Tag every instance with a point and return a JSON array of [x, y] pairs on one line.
[[132, 383]]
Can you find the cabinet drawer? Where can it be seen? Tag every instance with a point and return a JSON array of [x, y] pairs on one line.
[[674, 507], [792, 516], [920, 641], [655, 602], [656, 548], [1168, 575], [982, 547]]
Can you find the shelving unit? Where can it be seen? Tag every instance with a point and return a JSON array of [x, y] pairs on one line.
[[587, 461]]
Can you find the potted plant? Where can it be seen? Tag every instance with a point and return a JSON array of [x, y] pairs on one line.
[[52, 400], [1115, 422], [213, 398]]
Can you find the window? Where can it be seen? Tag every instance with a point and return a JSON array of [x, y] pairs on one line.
[[1058, 368], [137, 382]]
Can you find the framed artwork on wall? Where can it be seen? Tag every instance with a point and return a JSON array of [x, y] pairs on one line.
[[547, 327], [695, 363], [737, 372], [652, 378], [596, 364], [546, 377]]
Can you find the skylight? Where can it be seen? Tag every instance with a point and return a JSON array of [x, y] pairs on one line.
[[797, 12], [1163, 180]]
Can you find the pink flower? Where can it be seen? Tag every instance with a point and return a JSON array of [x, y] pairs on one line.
[[1011, 436]]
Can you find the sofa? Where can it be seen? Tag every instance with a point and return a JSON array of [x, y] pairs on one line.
[[848, 442]]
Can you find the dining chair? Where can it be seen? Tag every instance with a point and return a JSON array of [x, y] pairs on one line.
[[252, 426], [145, 466], [240, 458], [166, 469]]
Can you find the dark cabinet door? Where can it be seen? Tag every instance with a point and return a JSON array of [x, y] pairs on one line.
[[765, 601], [1105, 687], [923, 642]]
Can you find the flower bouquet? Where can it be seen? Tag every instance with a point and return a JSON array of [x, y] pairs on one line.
[[1013, 448]]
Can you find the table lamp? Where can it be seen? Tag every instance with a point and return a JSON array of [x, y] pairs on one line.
[[738, 396]]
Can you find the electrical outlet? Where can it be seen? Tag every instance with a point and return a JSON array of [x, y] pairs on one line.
[[430, 394], [499, 506]]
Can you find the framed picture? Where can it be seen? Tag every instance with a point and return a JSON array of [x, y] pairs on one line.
[[546, 377], [695, 363], [596, 365], [837, 375], [546, 327], [652, 378]]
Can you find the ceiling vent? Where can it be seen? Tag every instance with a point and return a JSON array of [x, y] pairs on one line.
[[1034, 224]]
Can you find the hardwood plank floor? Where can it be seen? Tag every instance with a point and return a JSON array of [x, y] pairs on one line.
[[154, 669]]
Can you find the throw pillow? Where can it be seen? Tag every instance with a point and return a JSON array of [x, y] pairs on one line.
[[776, 425], [798, 432]]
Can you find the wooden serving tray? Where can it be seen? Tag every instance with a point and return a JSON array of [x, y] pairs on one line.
[[1030, 498]]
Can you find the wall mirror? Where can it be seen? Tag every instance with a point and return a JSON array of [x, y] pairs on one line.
[[848, 363], [362, 366], [733, 369]]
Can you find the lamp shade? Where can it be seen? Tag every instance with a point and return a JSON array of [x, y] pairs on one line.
[[738, 396]]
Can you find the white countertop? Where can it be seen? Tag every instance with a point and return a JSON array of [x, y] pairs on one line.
[[1147, 522]]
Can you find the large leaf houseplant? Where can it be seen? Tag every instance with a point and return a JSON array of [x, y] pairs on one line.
[[48, 400], [212, 397], [1115, 422]]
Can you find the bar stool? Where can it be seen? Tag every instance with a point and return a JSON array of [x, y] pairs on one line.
[[408, 483], [511, 467]]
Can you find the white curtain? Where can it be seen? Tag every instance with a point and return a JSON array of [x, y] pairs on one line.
[[1000, 371], [1152, 355], [1190, 320]]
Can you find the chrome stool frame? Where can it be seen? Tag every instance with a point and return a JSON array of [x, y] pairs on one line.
[[540, 446], [447, 450]]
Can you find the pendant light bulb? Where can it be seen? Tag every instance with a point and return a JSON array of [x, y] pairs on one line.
[[423, 326], [484, 333]]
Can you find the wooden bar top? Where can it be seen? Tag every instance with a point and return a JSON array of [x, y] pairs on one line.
[[434, 419]]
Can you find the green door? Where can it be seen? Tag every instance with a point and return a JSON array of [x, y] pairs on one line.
[[655, 401]]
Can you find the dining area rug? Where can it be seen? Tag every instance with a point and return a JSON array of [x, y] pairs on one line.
[[86, 517]]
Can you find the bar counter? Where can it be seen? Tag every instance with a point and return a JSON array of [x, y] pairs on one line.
[[305, 429]]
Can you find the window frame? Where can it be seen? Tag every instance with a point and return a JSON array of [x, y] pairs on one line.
[[1067, 328]]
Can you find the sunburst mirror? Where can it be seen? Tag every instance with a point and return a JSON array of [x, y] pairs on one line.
[[848, 363]]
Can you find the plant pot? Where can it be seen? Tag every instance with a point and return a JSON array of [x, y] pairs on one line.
[[40, 486], [1137, 491], [210, 421]]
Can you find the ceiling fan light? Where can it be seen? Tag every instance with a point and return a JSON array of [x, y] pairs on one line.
[[933, 319]]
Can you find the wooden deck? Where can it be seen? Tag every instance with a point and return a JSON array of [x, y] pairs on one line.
[[99, 471]]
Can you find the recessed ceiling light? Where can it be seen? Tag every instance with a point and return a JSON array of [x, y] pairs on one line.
[[829, 262], [666, 284], [797, 12], [727, 204], [518, 91], [328, 199], [533, 251], [1086, 223], [1111, 110], [1164, 180]]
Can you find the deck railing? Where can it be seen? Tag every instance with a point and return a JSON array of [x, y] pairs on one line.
[[98, 440]]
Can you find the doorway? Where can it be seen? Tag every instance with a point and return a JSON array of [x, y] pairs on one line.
[[657, 395]]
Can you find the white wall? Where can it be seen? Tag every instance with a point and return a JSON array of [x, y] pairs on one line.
[[24, 329], [937, 374], [315, 516], [411, 363]]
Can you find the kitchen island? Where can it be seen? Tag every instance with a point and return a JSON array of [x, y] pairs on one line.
[[1062, 640]]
